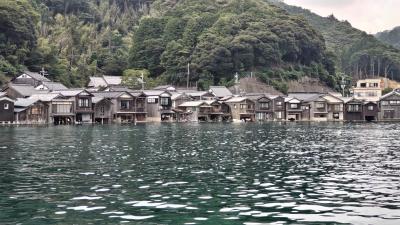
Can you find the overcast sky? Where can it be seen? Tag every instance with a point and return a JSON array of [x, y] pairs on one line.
[[369, 15]]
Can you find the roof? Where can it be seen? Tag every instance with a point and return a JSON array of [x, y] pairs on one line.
[[220, 91], [70, 92], [332, 99], [25, 102], [46, 97], [121, 88], [36, 76], [3, 94], [97, 82], [292, 100], [196, 93], [165, 88], [25, 89], [307, 97], [96, 100], [192, 104], [110, 94], [153, 92], [113, 80], [52, 86], [390, 94], [236, 99]]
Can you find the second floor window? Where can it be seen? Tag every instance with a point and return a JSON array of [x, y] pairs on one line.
[[124, 104], [264, 105], [371, 108], [164, 101], [320, 105], [83, 103], [279, 103], [337, 108], [102, 110], [6, 106], [293, 106], [353, 108]]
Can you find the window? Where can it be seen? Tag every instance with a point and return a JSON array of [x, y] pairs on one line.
[[372, 94], [164, 101], [83, 102], [102, 110], [353, 108], [279, 115], [279, 103], [385, 103], [293, 106], [320, 105], [337, 108], [6, 106], [124, 104], [305, 107], [264, 105], [243, 106], [62, 108], [35, 111], [373, 84], [234, 106], [370, 108], [388, 114], [336, 116], [194, 109], [152, 100], [363, 85]]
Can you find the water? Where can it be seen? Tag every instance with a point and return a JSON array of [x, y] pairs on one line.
[[201, 174]]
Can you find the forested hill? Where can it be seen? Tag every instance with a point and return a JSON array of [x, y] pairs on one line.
[[391, 37], [76, 39], [358, 54]]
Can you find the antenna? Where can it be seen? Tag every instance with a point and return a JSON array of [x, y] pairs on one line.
[[43, 72]]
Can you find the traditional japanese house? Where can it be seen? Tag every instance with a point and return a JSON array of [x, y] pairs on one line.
[[194, 111], [6, 108], [21, 90], [318, 108], [159, 106], [335, 108], [390, 107], [62, 110], [30, 78], [125, 107], [241, 108], [370, 111], [263, 107], [353, 110], [199, 95], [103, 110], [216, 113], [279, 109], [104, 82], [47, 99], [30, 111], [82, 104], [293, 109]]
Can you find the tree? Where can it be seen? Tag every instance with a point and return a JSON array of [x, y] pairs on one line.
[[136, 78]]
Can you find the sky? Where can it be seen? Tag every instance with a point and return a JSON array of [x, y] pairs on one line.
[[372, 16]]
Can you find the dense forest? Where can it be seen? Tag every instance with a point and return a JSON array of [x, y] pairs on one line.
[[391, 37], [357, 54], [75, 39]]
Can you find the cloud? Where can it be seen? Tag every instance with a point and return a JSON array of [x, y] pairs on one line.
[[369, 15]]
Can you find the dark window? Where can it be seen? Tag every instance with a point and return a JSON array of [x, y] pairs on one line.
[[83, 102], [124, 104], [363, 85]]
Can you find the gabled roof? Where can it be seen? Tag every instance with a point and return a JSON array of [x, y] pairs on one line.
[[3, 94], [113, 80], [25, 90], [165, 88], [53, 86], [36, 76], [237, 99], [5, 97], [25, 102], [220, 91], [71, 92], [192, 104], [155, 92], [332, 99], [306, 97], [292, 100], [97, 82], [111, 94], [389, 94], [46, 97]]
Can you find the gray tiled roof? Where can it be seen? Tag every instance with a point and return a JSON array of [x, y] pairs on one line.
[[36, 76], [25, 90], [220, 91], [53, 86], [24, 102]]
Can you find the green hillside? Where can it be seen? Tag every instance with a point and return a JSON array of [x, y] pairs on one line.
[[358, 54], [391, 37]]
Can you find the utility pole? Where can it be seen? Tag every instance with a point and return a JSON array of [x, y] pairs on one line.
[[142, 81], [343, 85], [188, 76]]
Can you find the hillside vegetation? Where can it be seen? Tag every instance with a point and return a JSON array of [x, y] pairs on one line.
[[357, 54], [391, 37], [75, 39]]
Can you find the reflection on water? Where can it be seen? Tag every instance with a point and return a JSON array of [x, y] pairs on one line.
[[201, 174]]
